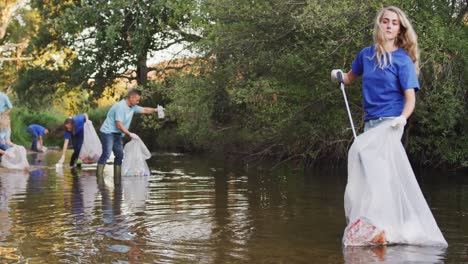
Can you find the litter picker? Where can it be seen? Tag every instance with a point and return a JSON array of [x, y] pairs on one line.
[[342, 88]]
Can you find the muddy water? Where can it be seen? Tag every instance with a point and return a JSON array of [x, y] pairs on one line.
[[194, 209]]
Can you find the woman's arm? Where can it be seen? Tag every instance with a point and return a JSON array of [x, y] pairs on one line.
[[410, 103], [65, 146], [349, 77], [40, 142]]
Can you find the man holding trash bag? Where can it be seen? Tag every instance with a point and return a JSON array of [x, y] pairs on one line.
[[115, 127]]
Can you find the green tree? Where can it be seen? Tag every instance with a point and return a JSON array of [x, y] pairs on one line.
[[269, 67], [114, 38]]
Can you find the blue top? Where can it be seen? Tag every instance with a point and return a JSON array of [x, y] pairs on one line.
[[79, 124], [38, 129], [383, 89], [4, 102], [119, 112]]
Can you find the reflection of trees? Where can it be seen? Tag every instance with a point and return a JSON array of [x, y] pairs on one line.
[[233, 216]]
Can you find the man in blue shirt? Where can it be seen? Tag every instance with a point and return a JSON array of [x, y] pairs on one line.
[[116, 126], [37, 132]]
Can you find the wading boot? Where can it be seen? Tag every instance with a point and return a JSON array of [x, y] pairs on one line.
[[100, 173], [100, 170], [117, 174]]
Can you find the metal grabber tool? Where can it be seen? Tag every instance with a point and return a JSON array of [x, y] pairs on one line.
[[342, 88]]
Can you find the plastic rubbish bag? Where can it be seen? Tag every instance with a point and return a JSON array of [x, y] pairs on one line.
[[382, 188], [135, 156], [360, 233], [91, 149], [160, 111], [15, 158]]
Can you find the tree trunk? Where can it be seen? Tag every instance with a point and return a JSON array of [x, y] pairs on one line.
[[7, 14], [142, 70]]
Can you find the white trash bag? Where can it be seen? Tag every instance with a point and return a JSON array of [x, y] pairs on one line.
[[382, 193], [360, 233], [91, 149], [135, 156], [160, 111], [15, 158]]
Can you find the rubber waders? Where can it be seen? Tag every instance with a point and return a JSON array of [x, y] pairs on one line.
[[100, 170], [117, 174]]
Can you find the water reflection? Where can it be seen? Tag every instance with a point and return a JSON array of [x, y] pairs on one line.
[[122, 203], [394, 254], [11, 183], [196, 210], [83, 194]]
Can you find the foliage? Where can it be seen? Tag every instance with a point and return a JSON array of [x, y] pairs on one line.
[[115, 37], [21, 118], [271, 74], [262, 86]]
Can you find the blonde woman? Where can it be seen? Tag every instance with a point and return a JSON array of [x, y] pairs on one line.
[[389, 70], [378, 206]]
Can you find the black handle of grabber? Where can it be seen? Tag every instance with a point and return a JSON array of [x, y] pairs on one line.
[[339, 74], [341, 80]]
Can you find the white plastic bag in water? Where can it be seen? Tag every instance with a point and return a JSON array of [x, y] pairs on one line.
[[91, 149], [382, 188], [135, 156], [160, 111], [15, 158], [360, 233]]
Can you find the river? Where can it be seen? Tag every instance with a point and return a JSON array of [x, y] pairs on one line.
[[197, 209]]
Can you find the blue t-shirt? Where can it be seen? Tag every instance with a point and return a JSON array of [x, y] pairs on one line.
[[383, 89], [79, 124], [4, 102], [38, 129], [119, 112]]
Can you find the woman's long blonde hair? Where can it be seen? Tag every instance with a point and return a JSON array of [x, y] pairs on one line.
[[406, 39]]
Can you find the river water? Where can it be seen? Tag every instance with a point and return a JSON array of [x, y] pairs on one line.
[[196, 209]]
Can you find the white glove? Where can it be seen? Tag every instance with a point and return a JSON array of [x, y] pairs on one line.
[[61, 160], [334, 75], [399, 122], [160, 111], [134, 136]]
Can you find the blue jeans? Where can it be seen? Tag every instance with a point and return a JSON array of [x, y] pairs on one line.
[[111, 143], [4, 147], [77, 142], [375, 122], [35, 138]]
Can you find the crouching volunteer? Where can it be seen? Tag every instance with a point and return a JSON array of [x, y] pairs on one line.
[[73, 130], [37, 132], [115, 127]]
